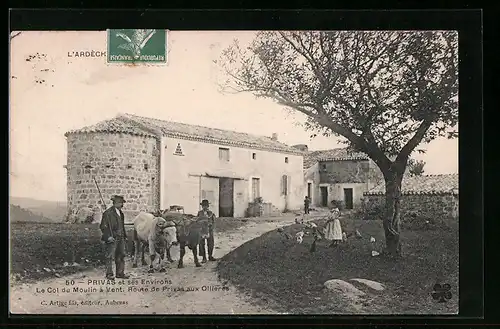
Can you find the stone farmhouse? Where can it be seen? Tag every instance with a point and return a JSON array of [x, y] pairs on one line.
[[156, 164], [338, 175], [430, 196]]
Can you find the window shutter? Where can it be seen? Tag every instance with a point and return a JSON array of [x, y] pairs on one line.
[[284, 185]]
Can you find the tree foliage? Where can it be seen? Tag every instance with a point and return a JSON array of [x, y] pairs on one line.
[[415, 167], [384, 92]]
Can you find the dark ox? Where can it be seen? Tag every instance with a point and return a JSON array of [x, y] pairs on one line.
[[190, 232]]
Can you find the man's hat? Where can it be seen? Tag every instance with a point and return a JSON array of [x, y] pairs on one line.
[[204, 203], [118, 198]]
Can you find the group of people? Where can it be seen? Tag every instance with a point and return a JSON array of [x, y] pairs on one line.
[[114, 236], [333, 228]]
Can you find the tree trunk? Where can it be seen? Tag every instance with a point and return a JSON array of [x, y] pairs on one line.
[[392, 214]]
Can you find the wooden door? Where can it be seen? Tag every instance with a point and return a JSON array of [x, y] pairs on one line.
[[255, 188], [324, 196], [348, 198], [226, 197], [209, 190]]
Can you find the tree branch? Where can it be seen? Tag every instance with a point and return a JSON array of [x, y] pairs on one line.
[[310, 59], [414, 141]]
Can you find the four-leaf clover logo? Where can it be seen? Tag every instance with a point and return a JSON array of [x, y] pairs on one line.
[[441, 292]]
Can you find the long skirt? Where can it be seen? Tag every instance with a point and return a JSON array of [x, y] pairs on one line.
[[333, 230]]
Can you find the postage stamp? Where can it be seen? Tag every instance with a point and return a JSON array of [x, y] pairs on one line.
[[171, 189], [137, 46]]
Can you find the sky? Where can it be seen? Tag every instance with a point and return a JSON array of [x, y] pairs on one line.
[[80, 91]]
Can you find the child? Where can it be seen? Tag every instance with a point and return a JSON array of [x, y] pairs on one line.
[[333, 229]]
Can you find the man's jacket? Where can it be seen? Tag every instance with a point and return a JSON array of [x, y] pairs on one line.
[[208, 215], [110, 224]]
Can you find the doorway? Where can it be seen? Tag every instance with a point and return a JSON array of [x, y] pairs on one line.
[[255, 188], [226, 197], [324, 196], [348, 198], [309, 191]]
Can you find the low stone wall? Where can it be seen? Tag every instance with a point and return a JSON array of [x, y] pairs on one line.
[[438, 207]]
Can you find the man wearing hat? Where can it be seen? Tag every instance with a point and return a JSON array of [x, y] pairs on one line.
[[114, 237], [206, 213]]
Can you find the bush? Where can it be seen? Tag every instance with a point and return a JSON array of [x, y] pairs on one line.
[[416, 220], [372, 213]]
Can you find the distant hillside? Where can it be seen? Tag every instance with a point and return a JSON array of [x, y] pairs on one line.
[[18, 214], [53, 210]]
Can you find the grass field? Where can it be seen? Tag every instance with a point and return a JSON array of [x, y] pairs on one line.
[[286, 274], [35, 246]]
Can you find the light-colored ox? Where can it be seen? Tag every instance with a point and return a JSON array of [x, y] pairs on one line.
[[155, 232]]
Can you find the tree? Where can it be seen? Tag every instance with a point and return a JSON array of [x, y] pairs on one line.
[[383, 92], [415, 167]]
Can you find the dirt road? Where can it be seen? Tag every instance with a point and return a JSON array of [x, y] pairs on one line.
[[189, 290]]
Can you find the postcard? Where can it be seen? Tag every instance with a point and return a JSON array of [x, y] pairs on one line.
[[234, 172]]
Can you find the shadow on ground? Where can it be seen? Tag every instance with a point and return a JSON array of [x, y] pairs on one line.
[[273, 268], [46, 250]]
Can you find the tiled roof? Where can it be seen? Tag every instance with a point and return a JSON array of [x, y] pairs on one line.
[[429, 184], [114, 125], [138, 125], [338, 154]]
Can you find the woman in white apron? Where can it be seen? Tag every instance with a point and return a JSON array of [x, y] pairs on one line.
[[333, 229]]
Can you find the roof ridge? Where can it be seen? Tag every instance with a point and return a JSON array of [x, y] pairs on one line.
[[326, 150], [131, 116], [126, 118], [153, 127], [98, 127], [435, 175]]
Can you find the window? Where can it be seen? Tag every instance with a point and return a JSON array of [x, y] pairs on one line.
[[178, 150], [223, 154], [146, 166], [284, 185], [255, 188], [286, 159], [254, 156]]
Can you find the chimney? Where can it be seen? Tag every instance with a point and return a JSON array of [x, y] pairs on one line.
[[274, 137], [301, 147]]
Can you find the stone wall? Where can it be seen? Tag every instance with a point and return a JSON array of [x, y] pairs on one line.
[[121, 163], [354, 171], [435, 206]]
